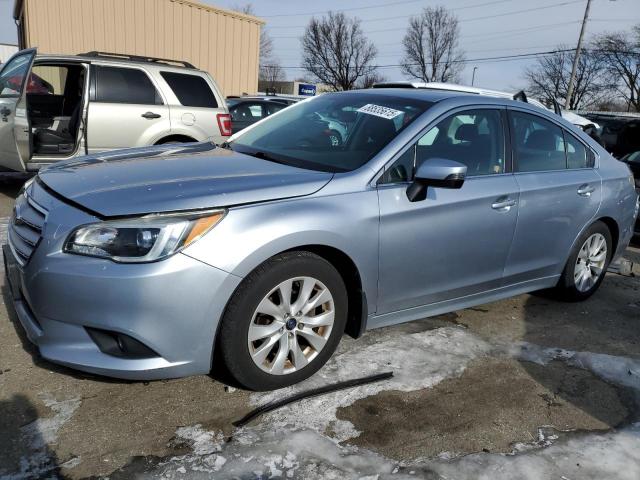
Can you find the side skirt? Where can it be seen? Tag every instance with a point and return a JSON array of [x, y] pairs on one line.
[[416, 313]]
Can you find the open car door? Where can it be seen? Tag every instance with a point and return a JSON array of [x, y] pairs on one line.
[[15, 129]]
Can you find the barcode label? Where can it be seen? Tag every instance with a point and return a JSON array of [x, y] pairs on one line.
[[380, 111]]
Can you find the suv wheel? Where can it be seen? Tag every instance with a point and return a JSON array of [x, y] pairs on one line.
[[283, 322]]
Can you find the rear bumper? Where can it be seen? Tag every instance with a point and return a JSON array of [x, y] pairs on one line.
[[172, 307]]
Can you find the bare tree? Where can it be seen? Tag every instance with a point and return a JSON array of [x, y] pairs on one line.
[[336, 51], [266, 42], [431, 52], [271, 74], [549, 78], [620, 52], [369, 80]]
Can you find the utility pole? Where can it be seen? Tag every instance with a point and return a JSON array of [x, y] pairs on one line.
[[473, 75], [576, 57]]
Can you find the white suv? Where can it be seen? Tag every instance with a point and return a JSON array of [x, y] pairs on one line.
[[55, 107]]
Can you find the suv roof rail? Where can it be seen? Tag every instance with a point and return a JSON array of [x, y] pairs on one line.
[[135, 58]]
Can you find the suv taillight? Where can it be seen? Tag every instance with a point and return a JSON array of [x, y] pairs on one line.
[[224, 123]]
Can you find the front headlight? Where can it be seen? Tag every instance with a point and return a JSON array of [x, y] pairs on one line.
[[143, 239]]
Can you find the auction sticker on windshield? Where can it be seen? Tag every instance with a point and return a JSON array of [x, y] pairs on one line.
[[380, 111]]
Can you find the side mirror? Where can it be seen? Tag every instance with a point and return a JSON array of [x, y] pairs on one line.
[[436, 172]]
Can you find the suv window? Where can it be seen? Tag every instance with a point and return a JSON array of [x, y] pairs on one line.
[[13, 75], [538, 143], [473, 137], [191, 90], [125, 85]]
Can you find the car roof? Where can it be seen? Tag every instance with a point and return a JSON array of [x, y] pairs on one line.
[[419, 94]]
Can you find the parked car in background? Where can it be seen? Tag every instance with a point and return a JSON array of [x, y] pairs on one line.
[[156, 262], [633, 161], [571, 117], [55, 107], [620, 131], [246, 111]]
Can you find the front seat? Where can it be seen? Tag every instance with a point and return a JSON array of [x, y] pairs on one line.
[[56, 142]]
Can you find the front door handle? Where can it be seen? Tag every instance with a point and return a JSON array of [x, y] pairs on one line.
[[586, 190], [150, 115], [503, 204]]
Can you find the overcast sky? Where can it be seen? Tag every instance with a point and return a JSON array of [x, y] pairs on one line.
[[489, 28]]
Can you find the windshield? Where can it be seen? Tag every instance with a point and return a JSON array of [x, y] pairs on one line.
[[334, 132]]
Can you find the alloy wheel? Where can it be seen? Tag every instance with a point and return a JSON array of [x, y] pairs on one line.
[[590, 262], [291, 325]]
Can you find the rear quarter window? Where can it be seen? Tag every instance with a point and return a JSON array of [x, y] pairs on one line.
[[191, 90]]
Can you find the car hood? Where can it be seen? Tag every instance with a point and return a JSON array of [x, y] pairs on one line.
[[175, 177]]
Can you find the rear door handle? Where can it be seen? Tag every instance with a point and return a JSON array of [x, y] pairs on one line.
[[586, 190], [150, 115], [503, 204]]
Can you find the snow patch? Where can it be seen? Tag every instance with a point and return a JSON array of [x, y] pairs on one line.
[[614, 455], [200, 440], [620, 370], [418, 361], [298, 454]]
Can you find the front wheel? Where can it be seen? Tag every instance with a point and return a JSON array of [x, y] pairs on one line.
[[587, 264], [283, 322]]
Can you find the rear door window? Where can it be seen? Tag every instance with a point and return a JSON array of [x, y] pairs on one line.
[[538, 143], [125, 85], [191, 90]]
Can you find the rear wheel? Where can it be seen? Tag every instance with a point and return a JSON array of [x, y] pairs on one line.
[[587, 264], [284, 321]]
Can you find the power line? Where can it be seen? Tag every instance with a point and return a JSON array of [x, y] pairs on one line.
[[486, 17], [379, 19], [499, 58], [379, 5], [489, 36]]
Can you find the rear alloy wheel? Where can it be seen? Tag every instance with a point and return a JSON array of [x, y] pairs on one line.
[[587, 264], [590, 263], [283, 322]]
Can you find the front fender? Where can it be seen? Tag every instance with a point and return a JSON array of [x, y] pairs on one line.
[[250, 235]]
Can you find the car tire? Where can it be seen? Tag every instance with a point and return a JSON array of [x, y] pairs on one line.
[[260, 319], [587, 264]]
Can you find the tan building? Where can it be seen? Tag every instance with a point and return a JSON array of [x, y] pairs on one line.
[[222, 42]]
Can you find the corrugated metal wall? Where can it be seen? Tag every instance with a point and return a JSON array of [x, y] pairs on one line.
[[224, 43]]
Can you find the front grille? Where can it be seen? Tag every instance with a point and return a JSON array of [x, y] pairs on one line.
[[25, 228]]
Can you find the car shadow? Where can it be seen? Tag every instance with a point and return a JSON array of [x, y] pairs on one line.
[[25, 453]]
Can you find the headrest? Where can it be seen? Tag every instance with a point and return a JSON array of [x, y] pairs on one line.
[[467, 132]]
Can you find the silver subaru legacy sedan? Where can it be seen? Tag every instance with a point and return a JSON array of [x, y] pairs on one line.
[[259, 254]]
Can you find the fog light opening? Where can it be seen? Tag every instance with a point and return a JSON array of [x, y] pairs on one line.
[[119, 345]]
